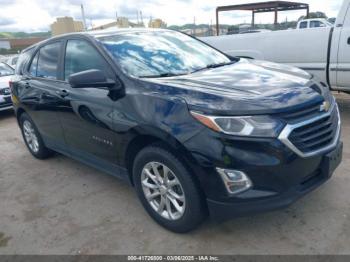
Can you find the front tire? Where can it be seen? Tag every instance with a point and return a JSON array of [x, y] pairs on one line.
[[167, 190], [32, 138]]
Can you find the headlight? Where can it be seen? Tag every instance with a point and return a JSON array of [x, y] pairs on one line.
[[257, 126]]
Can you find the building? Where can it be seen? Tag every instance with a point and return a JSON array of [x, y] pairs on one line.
[[5, 44], [157, 23], [15, 45], [204, 31], [122, 22], [22, 43], [65, 25]]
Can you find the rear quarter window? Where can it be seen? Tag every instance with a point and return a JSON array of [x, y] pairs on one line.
[[23, 61]]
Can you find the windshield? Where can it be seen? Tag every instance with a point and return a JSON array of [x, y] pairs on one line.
[[161, 53], [5, 70]]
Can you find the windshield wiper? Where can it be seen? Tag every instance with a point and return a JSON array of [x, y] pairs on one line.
[[201, 69], [163, 75], [213, 66]]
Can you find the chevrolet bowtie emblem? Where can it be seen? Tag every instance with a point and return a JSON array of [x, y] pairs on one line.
[[325, 107]]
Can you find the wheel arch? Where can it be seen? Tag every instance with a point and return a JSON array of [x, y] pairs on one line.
[[19, 113], [160, 139]]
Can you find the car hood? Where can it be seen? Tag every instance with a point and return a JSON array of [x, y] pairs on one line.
[[4, 81], [245, 87]]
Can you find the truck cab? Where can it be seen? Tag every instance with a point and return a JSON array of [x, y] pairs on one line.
[[313, 23]]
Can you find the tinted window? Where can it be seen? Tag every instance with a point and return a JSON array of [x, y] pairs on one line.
[[152, 54], [81, 56], [34, 66], [317, 24], [5, 70], [303, 25], [48, 61]]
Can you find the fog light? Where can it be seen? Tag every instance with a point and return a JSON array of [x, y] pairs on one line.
[[235, 181]]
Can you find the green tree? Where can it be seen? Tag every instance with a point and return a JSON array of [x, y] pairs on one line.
[[317, 14]]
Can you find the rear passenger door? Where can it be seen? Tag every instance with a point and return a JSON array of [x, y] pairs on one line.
[[39, 93], [88, 122]]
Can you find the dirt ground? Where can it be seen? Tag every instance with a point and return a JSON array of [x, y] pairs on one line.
[[60, 206]]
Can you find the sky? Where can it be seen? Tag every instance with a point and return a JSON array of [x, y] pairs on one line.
[[37, 15]]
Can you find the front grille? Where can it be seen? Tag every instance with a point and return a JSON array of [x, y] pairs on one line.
[[316, 135], [301, 115]]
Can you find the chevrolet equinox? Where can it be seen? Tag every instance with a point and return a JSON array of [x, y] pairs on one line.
[[194, 131]]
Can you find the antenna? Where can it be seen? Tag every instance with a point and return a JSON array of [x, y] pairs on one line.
[[83, 16]]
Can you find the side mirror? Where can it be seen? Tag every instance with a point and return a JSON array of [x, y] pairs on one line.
[[92, 79]]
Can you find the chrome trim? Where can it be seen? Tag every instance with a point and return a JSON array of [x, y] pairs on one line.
[[284, 136], [6, 108], [227, 181], [340, 69], [313, 68]]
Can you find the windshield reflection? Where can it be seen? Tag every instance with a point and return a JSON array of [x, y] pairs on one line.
[[161, 53]]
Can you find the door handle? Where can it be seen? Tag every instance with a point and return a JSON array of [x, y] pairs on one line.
[[46, 96], [63, 93]]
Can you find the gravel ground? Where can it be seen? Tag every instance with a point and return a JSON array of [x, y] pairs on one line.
[[60, 206]]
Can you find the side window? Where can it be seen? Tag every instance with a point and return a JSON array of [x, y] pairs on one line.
[[303, 25], [81, 56], [48, 61], [34, 65], [315, 24]]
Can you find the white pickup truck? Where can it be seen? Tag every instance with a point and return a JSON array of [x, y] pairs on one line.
[[323, 51], [313, 23]]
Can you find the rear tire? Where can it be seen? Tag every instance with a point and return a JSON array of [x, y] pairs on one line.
[[33, 139], [167, 190]]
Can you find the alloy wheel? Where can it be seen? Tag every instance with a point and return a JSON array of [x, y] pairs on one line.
[[30, 136], [163, 190]]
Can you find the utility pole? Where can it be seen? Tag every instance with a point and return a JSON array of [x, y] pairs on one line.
[[141, 17], [83, 16], [211, 27], [194, 25]]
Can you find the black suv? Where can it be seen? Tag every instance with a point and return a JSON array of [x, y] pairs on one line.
[[194, 131]]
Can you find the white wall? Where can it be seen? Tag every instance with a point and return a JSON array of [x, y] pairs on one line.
[[5, 44]]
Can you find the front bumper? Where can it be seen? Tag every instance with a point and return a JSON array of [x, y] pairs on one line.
[[255, 201], [5, 102], [279, 175]]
